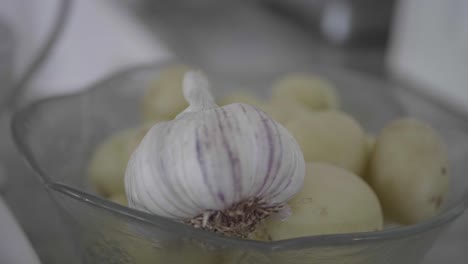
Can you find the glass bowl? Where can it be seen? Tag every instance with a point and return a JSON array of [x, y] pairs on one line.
[[26, 48], [31, 45], [58, 135]]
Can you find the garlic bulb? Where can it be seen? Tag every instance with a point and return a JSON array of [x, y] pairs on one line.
[[222, 169]]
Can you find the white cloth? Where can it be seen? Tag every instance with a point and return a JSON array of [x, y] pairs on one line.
[[99, 38], [430, 48], [14, 246]]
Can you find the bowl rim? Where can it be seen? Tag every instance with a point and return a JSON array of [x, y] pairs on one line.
[[55, 32], [448, 215]]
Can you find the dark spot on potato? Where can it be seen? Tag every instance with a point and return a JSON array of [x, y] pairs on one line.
[[102, 191], [443, 170], [304, 201], [436, 201], [323, 211]]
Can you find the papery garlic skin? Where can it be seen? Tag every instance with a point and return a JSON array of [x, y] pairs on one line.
[[210, 158]]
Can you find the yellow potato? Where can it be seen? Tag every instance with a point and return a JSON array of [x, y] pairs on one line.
[[331, 137], [189, 254], [285, 110], [247, 257], [370, 143], [260, 233], [109, 161], [312, 91], [409, 171], [332, 201], [240, 97], [281, 110], [164, 99], [119, 198], [390, 223], [141, 252]]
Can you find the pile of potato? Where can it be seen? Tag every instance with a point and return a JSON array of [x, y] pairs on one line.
[[354, 181]]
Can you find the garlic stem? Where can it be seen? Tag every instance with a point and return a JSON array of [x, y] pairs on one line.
[[197, 92]]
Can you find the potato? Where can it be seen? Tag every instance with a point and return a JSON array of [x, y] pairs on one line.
[[142, 252], [285, 110], [409, 171], [281, 110], [390, 223], [240, 97], [164, 99], [331, 201], [119, 198], [189, 254], [260, 233], [370, 142], [247, 257], [331, 137], [109, 161], [312, 91]]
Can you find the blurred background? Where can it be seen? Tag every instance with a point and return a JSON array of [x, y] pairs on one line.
[[54, 47]]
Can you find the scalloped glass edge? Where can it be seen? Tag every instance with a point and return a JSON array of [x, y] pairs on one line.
[[448, 215], [20, 85]]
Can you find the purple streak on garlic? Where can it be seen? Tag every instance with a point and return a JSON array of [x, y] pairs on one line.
[[212, 164]]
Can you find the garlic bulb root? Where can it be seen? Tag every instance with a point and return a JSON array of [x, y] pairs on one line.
[[239, 220]]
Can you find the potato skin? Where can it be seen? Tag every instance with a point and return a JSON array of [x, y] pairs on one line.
[[332, 201], [332, 137], [286, 110], [108, 163], [312, 91], [119, 198], [240, 97], [164, 98], [409, 171]]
